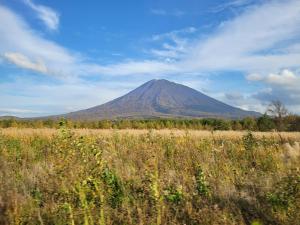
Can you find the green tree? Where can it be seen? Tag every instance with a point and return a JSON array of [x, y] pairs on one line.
[[294, 122], [249, 123], [265, 123]]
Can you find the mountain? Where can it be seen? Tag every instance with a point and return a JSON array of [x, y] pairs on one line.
[[161, 98]]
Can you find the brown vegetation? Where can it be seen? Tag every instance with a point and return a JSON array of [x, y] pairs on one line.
[[148, 177]]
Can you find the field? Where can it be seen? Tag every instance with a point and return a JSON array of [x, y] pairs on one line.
[[50, 176]]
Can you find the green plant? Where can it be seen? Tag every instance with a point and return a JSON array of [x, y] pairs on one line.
[[256, 222], [115, 187], [201, 183], [173, 195]]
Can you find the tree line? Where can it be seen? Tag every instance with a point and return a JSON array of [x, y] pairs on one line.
[[263, 123]]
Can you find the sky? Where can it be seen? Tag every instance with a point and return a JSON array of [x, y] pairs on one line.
[[61, 56]]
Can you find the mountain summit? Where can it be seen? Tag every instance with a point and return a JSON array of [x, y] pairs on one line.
[[161, 98]]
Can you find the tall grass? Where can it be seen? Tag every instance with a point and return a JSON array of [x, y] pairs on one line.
[[148, 178]]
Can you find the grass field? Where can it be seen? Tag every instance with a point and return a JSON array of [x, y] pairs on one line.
[[49, 132], [63, 176]]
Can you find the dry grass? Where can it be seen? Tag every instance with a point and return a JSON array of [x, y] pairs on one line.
[[48, 132], [89, 177]]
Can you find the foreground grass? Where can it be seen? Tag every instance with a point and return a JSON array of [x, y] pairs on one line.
[[203, 134], [148, 178]]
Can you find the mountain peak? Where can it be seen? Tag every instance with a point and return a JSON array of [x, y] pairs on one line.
[[160, 81], [158, 84], [161, 98]]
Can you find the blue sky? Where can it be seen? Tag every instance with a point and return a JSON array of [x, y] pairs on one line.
[[60, 56]]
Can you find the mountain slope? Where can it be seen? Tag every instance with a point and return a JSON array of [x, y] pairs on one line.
[[161, 98]]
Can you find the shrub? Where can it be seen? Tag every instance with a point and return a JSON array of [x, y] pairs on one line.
[[201, 183], [173, 195]]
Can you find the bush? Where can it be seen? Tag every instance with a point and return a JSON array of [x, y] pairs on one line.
[[265, 123]]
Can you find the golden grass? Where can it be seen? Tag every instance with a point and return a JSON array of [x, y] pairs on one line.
[[48, 132], [90, 177]]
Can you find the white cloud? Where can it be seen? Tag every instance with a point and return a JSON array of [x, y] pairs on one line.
[[158, 12], [16, 112], [285, 79], [46, 14], [16, 36], [232, 4], [243, 100], [39, 99], [162, 12], [175, 44], [243, 42], [146, 67], [174, 34], [283, 86], [239, 44], [24, 62], [254, 77], [253, 41]]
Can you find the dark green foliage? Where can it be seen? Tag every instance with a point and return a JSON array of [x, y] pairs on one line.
[[114, 187], [174, 195], [249, 123], [293, 123], [222, 125], [265, 123], [37, 196]]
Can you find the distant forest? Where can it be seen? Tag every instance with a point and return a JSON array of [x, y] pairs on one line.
[[263, 123]]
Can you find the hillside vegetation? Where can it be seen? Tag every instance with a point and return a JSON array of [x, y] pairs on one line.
[[263, 123], [148, 178]]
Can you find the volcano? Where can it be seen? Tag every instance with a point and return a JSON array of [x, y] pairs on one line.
[[161, 99]]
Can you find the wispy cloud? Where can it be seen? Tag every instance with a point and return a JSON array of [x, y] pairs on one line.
[[254, 40], [16, 112], [174, 44], [163, 12], [60, 61], [23, 62], [174, 34], [243, 42], [240, 44], [233, 4], [18, 37], [46, 14], [263, 39]]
